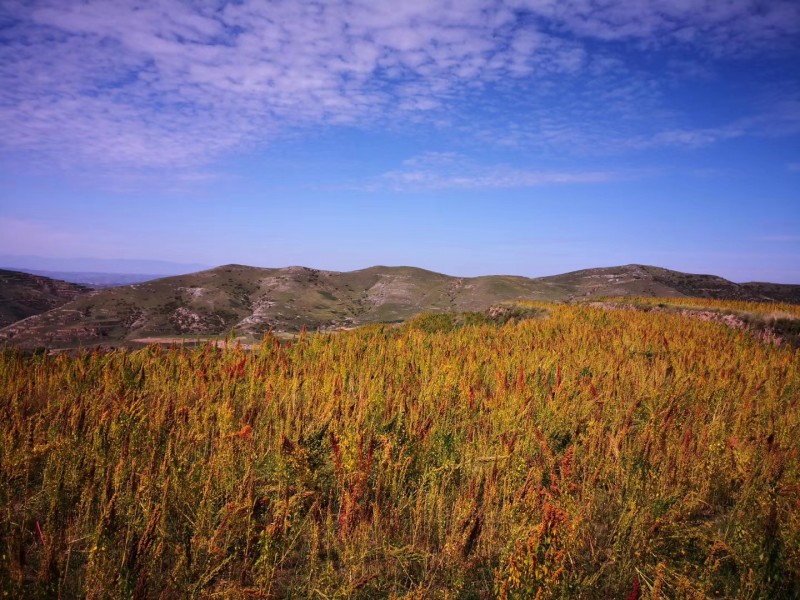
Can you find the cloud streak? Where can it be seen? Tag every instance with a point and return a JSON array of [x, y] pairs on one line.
[[179, 84], [451, 171]]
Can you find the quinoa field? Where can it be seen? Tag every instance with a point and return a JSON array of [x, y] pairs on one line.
[[583, 453]]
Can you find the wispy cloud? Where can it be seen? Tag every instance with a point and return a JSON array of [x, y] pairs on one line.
[[177, 84], [451, 171]]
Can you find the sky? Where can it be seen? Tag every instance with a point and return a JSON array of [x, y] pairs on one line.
[[470, 137]]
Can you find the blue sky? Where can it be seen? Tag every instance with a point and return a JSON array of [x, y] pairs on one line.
[[529, 137]]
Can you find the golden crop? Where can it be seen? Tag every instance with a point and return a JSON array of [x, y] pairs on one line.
[[763, 310], [591, 453]]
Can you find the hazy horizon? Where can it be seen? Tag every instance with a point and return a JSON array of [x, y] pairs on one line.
[[524, 137]]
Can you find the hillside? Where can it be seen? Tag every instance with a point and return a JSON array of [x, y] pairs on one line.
[[643, 280], [254, 300], [23, 295]]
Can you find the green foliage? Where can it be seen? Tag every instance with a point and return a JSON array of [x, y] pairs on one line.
[[498, 316], [433, 322]]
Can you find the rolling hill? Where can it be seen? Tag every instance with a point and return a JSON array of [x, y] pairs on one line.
[[23, 295], [253, 300]]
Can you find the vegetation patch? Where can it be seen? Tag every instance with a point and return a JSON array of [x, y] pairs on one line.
[[592, 454], [497, 315], [768, 322]]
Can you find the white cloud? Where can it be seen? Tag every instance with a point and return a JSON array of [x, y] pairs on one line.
[[175, 83], [717, 28]]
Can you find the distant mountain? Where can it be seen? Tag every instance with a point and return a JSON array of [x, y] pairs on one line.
[[252, 300], [126, 266], [23, 295], [96, 280]]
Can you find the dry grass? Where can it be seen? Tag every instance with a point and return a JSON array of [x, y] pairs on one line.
[[767, 310], [590, 454]]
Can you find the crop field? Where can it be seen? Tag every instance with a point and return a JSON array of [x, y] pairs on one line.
[[581, 453]]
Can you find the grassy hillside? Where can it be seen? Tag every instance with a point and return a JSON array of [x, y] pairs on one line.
[[23, 295], [643, 280], [252, 301], [587, 453]]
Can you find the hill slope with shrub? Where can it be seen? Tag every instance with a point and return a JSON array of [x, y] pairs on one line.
[[251, 301]]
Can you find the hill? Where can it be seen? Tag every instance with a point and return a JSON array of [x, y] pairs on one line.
[[23, 295], [253, 300], [643, 280]]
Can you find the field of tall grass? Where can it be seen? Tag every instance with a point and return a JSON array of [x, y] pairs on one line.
[[581, 454]]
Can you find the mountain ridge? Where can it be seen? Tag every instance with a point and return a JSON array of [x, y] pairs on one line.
[[23, 295], [254, 300]]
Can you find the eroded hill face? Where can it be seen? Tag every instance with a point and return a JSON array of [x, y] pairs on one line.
[[23, 295], [251, 301]]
